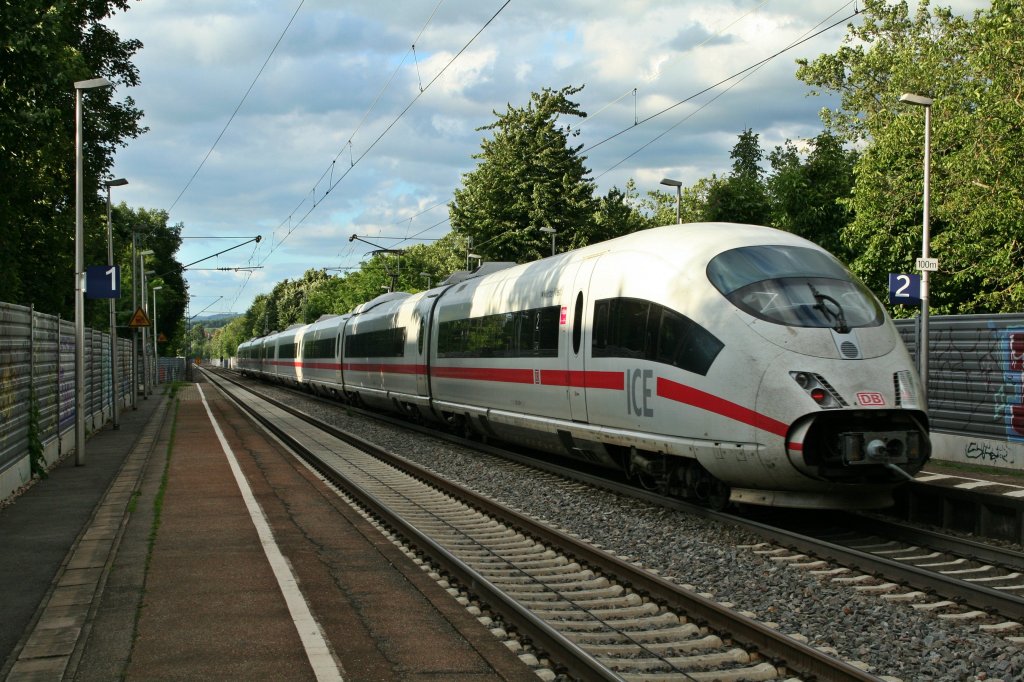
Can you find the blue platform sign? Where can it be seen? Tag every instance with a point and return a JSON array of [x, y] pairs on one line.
[[103, 281], [904, 289]]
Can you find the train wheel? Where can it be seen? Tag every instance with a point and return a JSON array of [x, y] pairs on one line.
[[646, 481], [412, 413], [718, 496], [455, 423], [706, 489]]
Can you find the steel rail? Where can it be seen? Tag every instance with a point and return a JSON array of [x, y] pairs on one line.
[[1003, 557]]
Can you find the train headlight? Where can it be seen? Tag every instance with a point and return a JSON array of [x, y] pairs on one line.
[[820, 391], [803, 379]]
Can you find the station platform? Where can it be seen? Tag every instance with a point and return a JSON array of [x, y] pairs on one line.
[[149, 562]]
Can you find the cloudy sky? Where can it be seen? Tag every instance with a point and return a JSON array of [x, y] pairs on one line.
[[257, 108]]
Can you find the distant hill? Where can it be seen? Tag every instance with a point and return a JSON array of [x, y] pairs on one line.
[[215, 320]]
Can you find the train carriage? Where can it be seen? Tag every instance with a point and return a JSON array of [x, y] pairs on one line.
[[284, 363], [247, 360], [497, 352], [320, 355], [375, 341]]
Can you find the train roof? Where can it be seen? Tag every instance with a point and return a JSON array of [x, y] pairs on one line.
[[483, 270], [692, 243], [383, 298]]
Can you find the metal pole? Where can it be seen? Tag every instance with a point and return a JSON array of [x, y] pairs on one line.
[[114, 374], [32, 354], [80, 271], [135, 331], [156, 356], [145, 341], [669, 182], [79, 294], [925, 239]]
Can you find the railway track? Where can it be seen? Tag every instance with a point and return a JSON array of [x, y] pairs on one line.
[[960, 577], [974, 579], [593, 615]]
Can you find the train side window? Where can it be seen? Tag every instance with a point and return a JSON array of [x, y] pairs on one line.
[[634, 328], [524, 333], [620, 328], [546, 331], [577, 324], [319, 348], [383, 343], [685, 344]]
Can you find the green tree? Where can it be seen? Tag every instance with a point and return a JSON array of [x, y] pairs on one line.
[[810, 196], [973, 70], [693, 200], [742, 196], [151, 232], [528, 177], [48, 46], [619, 212]]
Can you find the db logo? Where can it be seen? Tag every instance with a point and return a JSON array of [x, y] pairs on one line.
[[870, 399]]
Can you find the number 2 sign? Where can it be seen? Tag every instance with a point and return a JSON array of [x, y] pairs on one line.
[[904, 289]]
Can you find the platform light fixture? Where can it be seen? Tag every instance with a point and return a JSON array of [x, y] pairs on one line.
[[669, 182], [156, 357], [80, 270], [141, 278], [552, 231], [923, 346]]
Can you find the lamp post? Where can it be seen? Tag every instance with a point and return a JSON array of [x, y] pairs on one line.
[[80, 270], [156, 356], [141, 279], [923, 349], [552, 231], [114, 370], [668, 182], [147, 380]]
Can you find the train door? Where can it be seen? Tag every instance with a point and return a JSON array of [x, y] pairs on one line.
[[576, 325]]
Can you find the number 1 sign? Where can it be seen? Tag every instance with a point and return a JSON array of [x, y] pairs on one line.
[[103, 281]]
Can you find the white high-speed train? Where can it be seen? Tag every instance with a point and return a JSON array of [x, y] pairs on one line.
[[716, 361]]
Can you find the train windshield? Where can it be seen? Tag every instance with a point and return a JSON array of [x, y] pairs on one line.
[[794, 286]]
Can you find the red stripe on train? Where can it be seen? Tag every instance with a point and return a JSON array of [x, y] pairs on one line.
[[545, 377], [712, 403], [384, 367]]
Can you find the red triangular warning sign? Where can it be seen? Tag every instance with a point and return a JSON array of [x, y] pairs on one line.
[[139, 319]]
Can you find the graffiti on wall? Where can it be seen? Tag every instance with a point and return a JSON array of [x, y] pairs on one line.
[[1013, 414], [975, 379], [985, 452], [7, 401], [65, 384]]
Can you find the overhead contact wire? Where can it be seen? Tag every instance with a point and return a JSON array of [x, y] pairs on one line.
[[237, 108]]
